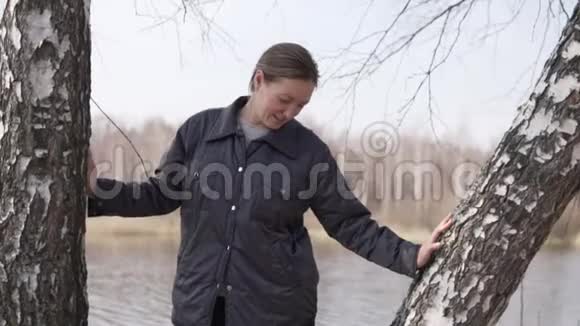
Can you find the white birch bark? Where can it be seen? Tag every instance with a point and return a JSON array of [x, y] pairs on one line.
[[511, 207], [44, 134]]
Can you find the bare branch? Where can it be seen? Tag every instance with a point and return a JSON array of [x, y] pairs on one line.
[[563, 9], [274, 5], [356, 32], [430, 70], [550, 9], [542, 44], [382, 51], [349, 127], [433, 66], [392, 41], [183, 2], [372, 54], [161, 20], [537, 18], [198, 10], [179, 44], [122, 133], [521, 76], [502, 26]]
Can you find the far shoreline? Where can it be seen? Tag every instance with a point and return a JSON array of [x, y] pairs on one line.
[[103, 230]]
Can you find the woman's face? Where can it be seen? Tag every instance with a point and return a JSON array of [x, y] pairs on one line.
[[279, 101]]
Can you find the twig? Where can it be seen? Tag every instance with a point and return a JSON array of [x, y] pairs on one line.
[[122, 133]]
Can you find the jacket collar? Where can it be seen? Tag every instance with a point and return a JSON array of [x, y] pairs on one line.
[[283, 139], [226, 123]]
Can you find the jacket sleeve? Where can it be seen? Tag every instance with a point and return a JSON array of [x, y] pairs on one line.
[[348, 221], [160, 194]]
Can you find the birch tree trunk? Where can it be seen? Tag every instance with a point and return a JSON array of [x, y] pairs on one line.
[[511, 207], [44, 134]]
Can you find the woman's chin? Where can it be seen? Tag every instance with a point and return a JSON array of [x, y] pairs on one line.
[[275, 124]]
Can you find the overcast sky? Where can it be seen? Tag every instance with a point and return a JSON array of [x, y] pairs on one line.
[[140, 71]]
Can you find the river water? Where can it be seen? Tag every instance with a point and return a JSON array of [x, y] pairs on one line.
[[130, 280]]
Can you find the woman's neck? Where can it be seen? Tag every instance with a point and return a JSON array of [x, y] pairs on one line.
[[248, 114]]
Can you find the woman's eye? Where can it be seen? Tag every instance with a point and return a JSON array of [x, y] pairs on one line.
[[284, 100]]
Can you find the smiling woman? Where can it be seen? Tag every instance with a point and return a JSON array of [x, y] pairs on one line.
[[281, 85], [246, 257]]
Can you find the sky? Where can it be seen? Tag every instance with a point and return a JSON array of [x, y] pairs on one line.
[[144, 69]]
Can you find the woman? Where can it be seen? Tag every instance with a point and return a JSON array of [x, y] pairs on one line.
[[244, 175]]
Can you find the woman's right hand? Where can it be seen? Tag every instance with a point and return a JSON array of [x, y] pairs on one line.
[[91, 174]]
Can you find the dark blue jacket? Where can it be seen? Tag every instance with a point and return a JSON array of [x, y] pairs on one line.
[[242, 208]]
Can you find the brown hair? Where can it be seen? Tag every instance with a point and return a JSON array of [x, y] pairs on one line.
[[286, 60]]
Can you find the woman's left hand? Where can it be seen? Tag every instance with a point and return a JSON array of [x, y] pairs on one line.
[[430, 246]]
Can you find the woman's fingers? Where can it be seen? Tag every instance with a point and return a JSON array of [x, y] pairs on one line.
[[428, 248], [436, 246], [448, 222], [443, 226]]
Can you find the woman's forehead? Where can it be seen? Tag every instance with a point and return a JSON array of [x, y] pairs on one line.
[[298, 89]]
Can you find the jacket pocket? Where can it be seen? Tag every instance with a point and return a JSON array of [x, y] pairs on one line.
[[277, 208], [202, 187], [293, 258]]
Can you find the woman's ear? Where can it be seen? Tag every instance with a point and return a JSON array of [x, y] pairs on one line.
[[258, 79]]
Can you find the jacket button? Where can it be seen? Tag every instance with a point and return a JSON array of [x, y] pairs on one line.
[[229, 288], [228, 248], [233, 207], [240, 169]]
